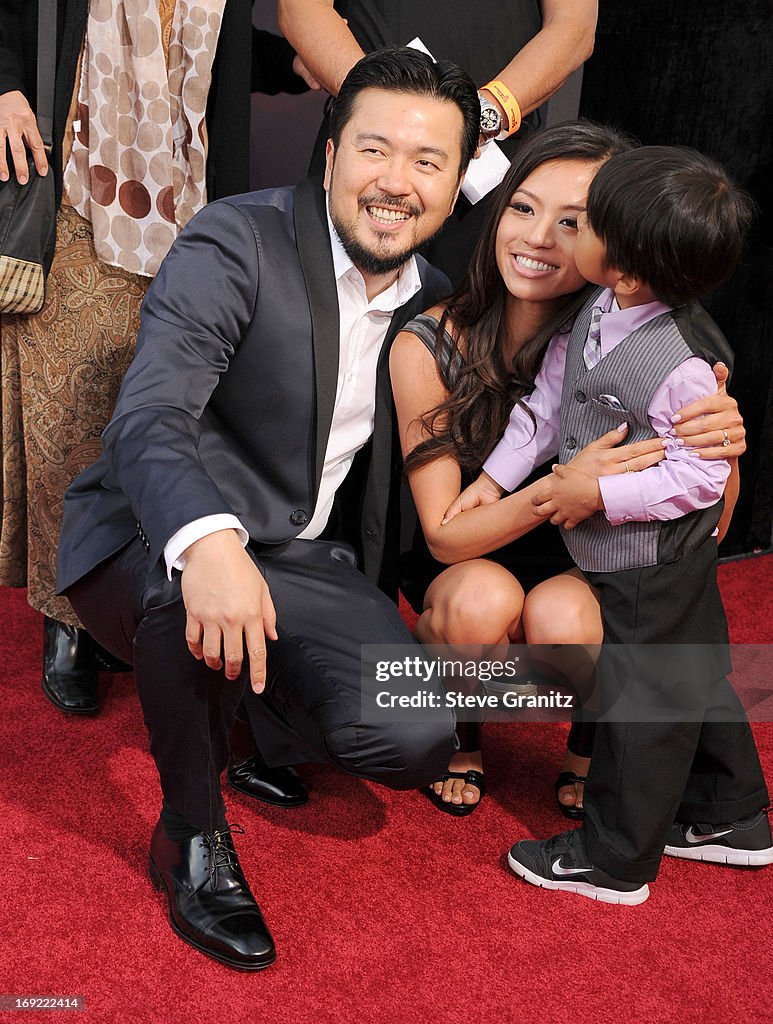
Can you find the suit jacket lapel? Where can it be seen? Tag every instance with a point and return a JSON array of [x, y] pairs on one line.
[[316, 261], [382, 429], [383, 457]]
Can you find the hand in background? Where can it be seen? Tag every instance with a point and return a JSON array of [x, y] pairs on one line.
[[303, 72], [18, 128]]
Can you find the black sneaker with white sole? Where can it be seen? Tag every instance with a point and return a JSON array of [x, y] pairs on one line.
[[745, 843], [561, 863]]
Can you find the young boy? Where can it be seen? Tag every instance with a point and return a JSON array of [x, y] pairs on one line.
[[663, 226]]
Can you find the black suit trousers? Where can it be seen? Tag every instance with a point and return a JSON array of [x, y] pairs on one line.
[[311, 709]]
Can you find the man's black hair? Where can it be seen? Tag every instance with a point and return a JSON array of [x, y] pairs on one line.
[[670, 217], [403, 69]]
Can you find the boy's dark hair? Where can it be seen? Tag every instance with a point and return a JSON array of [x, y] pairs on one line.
[[672, 218], [403, 69]]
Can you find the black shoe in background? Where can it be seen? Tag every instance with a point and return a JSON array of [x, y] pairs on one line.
[[249, 774], [69, 668], [107, 662]]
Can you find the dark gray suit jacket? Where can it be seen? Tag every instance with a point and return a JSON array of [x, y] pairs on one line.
[[228, 404]]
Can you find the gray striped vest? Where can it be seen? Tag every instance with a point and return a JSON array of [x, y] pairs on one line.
[[631, 373]]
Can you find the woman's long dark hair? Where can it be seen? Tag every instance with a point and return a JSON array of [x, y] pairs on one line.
[[468, 423]]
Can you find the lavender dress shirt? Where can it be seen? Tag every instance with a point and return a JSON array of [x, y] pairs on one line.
[[679, 484]]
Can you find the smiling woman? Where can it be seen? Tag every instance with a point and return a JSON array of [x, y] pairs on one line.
[[536, 235]]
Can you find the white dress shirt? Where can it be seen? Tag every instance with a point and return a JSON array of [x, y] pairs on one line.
[[363, 327]]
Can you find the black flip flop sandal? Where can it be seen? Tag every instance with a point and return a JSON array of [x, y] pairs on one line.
[[568, 779], [473, 778]]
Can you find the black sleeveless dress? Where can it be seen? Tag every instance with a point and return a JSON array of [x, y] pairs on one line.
[[532, 558]]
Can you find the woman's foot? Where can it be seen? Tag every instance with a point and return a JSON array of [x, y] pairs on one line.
[[459, 791], [570, 795]]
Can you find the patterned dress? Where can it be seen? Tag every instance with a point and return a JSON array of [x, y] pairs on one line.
[[61, 368]]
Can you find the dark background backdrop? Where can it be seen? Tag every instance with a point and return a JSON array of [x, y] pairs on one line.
[[701, 74], [668, 71]]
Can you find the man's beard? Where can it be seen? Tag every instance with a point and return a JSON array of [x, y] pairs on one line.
[[368, 260]]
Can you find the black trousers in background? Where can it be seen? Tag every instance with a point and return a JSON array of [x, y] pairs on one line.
[[699, 763], [311, 708]]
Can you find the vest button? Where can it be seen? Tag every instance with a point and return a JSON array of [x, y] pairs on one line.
[[371, 534], [571, 444], [299, 517], [581, 397]]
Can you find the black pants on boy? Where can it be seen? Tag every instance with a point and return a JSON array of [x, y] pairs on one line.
[[674, 743]]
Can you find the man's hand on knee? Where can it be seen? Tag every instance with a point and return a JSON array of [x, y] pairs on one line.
[[228, 606]]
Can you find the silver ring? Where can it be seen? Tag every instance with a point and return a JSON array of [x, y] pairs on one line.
[[628, 468], [726, 442]]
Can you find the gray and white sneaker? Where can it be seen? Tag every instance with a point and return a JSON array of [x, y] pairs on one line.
[[561, 863], [745, 843]]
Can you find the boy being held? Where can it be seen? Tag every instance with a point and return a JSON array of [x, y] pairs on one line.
[[663, 226]]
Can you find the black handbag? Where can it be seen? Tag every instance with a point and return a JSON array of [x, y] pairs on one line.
[[28, 212]]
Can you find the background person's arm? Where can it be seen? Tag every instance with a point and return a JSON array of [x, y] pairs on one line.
[[564, 42], [329, 50], [321, 38], [275, 66]]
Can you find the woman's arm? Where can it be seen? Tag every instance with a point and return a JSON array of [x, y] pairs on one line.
[[476, 531], [417, 389], [732, 489], [706, 424]]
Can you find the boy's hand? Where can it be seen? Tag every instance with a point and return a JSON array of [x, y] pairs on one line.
[[483, 491], [568, 497]]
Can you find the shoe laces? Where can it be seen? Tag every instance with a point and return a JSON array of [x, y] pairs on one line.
[[568, 844], [219, 854]]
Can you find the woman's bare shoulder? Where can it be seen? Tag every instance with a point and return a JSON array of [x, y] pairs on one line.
[[438, 313]]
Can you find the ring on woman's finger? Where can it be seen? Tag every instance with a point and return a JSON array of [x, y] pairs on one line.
[[726, 441], [628, 468]]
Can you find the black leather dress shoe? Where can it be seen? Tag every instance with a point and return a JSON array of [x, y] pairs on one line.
[[280, 786], [249, 774], [210, 903], [69, 669], [106, 661]]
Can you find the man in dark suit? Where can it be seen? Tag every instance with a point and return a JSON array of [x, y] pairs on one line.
[[214, 518]]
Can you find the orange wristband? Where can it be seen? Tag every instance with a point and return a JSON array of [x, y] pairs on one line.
[[509, 104]]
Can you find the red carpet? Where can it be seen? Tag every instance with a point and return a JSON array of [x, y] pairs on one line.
[[383, 909]]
